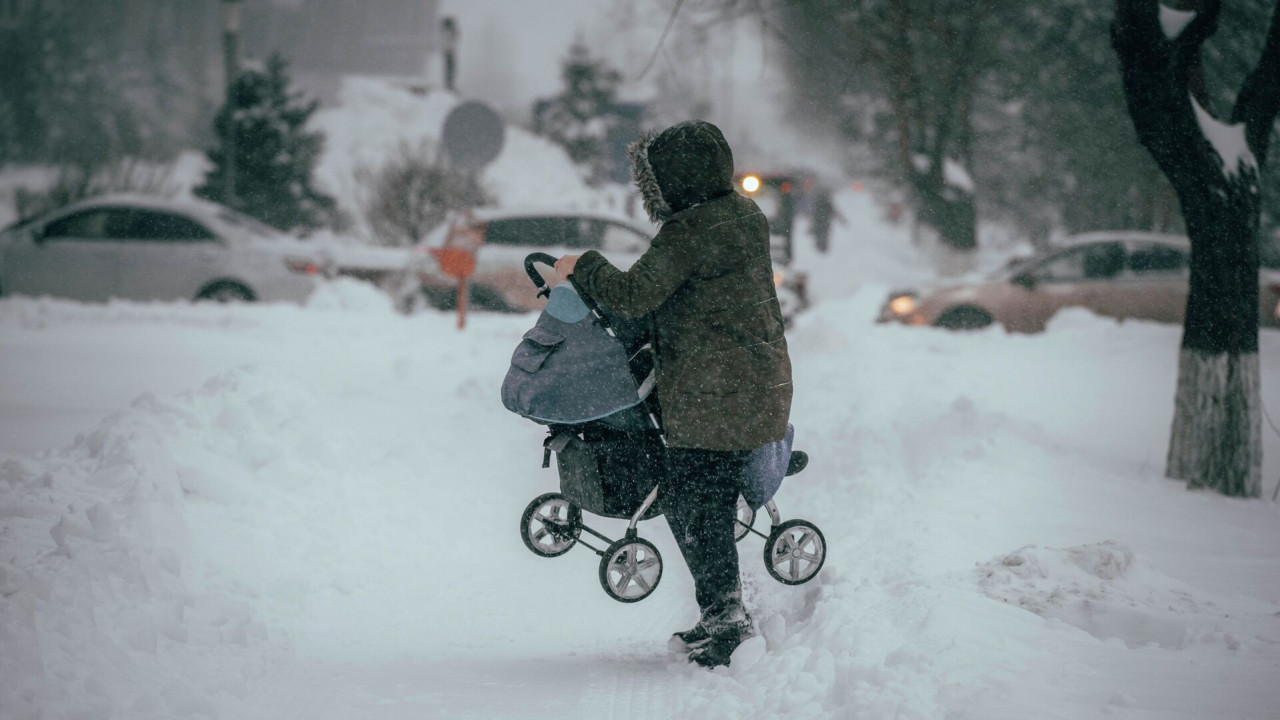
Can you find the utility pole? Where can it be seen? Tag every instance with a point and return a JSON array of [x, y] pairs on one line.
[[449, 37], [231, 63]]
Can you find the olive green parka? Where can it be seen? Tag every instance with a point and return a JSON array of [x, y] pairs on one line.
[[724, 375]]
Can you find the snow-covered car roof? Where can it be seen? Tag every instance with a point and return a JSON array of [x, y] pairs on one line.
[[1118, 236], [1017, 264], [224, 217], [509, 213], [224, 220]]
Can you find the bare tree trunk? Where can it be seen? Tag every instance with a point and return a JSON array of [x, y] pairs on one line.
[[1216, 436]]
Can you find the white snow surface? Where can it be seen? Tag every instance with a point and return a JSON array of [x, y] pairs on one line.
[[374, 119], [1228, 141], [1173, 22], [274, 511]]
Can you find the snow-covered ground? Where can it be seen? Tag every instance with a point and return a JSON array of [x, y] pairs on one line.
[[311, 512]]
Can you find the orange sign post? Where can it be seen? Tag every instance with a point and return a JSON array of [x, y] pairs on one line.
[[457, 259], [457, 263]]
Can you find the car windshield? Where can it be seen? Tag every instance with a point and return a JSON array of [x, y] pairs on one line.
[[1014, 266]]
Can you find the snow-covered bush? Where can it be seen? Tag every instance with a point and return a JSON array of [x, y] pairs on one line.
[[412, 192]]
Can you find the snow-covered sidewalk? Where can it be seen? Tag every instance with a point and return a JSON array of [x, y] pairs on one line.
[[312, 512]]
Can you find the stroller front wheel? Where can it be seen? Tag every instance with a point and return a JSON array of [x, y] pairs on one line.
[[550, 525], [630, 570], [795, 552]]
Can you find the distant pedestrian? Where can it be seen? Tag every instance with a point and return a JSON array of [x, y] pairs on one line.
[[823, 213]]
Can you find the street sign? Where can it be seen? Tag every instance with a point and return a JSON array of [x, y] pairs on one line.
[[472, 136]]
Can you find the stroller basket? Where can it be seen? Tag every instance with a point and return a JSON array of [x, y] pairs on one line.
[[607, 472]]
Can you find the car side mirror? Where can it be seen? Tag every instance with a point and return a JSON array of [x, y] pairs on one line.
[[1025, 280]]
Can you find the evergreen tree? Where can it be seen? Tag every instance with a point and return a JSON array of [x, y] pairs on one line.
[[265, 148], [580, 117]]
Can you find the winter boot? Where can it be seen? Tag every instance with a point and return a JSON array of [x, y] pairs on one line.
[[720, 644], [683, 642], [725, 630]]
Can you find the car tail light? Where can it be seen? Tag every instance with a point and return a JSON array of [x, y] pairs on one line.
[[303, 265]]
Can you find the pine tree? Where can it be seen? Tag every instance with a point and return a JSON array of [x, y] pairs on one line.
[[579, 118], [264, 125]]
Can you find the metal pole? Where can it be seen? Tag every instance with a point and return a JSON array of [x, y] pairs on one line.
[[231, 63]]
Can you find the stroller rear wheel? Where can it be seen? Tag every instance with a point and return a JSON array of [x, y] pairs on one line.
[[550, 525], [795, 552], [745, 517], [630, 569]]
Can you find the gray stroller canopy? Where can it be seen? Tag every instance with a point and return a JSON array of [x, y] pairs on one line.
[[568, 369]]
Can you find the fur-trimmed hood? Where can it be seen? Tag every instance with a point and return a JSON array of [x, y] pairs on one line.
[[685, 165]]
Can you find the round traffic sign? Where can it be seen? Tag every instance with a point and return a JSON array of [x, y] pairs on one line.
[[472, 135]]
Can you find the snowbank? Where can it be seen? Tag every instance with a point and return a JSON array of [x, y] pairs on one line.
[[373, 119], [102, 612]]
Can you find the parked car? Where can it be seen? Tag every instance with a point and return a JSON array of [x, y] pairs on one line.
[[503, 238], [1120, 275], [138, 247]]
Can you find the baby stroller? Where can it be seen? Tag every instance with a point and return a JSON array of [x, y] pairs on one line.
[[589, 377]]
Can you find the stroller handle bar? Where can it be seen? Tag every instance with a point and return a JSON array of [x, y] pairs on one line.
[[534, 258], [530, 260]]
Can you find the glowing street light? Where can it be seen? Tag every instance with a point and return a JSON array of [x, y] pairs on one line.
[[750, 183]]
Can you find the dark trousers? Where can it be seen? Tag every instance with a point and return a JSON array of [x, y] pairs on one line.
[[700, 498]]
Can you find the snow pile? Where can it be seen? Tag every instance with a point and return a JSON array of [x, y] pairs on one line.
[[374, 119], [101, 610], [1107, 592], [348, 295]]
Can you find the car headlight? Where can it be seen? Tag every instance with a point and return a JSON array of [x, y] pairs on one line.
[[750, 184], [903, 305]]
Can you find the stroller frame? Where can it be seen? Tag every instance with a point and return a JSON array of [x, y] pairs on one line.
[[631, 567]]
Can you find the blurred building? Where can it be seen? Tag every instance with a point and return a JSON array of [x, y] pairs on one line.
[[326, 39], [322, 39]]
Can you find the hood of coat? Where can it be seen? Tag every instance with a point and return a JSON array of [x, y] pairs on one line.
[[680, 167]]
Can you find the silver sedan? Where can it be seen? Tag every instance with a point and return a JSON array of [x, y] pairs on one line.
[[138, 247]]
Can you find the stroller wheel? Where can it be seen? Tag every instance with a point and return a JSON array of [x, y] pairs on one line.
[[550, 525], [630, 570], [795, 552], [745, 517]]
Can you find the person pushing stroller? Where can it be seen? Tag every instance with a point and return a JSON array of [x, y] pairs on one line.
[[722, 366]]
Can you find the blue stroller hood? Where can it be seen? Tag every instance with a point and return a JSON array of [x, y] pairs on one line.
[[568, 369]]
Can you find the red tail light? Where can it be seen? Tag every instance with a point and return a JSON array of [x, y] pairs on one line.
[[306, 267]]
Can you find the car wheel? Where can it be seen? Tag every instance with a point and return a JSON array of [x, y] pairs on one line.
[[964, 318], [225, 292]]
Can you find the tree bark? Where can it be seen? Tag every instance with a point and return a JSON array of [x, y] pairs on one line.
[[1216, 436]]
